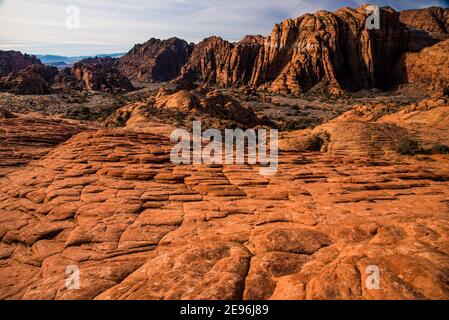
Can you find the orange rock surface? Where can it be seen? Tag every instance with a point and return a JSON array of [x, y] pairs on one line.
[[138, 227]]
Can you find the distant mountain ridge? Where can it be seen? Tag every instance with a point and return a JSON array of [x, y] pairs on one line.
[[67, 61]]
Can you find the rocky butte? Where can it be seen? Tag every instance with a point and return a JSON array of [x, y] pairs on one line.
[[333, 51], [155, 60]]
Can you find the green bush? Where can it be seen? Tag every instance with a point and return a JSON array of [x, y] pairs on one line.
[[122, 119], [119, 122], [440, 149], [315, 143], [300, 124], [179, 117], [408, 146]]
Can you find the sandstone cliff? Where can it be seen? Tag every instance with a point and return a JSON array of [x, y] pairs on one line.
[[434, 20], [332, 50], [430, 66], [34, 79], [155, 60], [12, 61], [93, 76]]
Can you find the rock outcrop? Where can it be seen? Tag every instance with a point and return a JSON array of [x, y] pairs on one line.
[[331, 50], [426, 121], [217, 61], [180, 108], [347, 137], [24, 83], [110, 203], [374, 131], [34, 79], [25, 139], [48, 73], [155, 60], [107, 61], [13, 61], [93, 76], [211, 103], [434, 20], [430, 66]]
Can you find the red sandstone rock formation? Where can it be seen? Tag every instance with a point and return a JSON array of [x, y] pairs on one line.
[[25, 139], [430, 66], [34, 79], [330, 49], [110, 202], [107, 61], [434, 20], [155, 60], [12, 61], [139, 227], [25, 83], [374, 131], [93, 76], [216, 108]]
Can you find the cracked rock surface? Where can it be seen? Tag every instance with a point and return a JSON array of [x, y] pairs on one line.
[[110, 202]]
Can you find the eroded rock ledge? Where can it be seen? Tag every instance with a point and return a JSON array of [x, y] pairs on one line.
[[139, 227]]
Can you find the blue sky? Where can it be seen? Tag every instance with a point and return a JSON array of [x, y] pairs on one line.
[[108, 26]]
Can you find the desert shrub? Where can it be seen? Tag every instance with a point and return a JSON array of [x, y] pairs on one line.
[[179, 117], [82, 113], [121, 119], [315, 143], [440, 149], [150, 109], [408, 146], [302, 123]]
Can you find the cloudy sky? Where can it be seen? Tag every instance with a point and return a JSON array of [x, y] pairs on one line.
[[107, 26]]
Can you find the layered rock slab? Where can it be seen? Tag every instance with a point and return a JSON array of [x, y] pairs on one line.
[[138, 227], [23, 139]]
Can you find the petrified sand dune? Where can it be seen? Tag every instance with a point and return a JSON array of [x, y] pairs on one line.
[[376, 130], [111, 202], [426, 121], [26, 139], [198, 104]]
